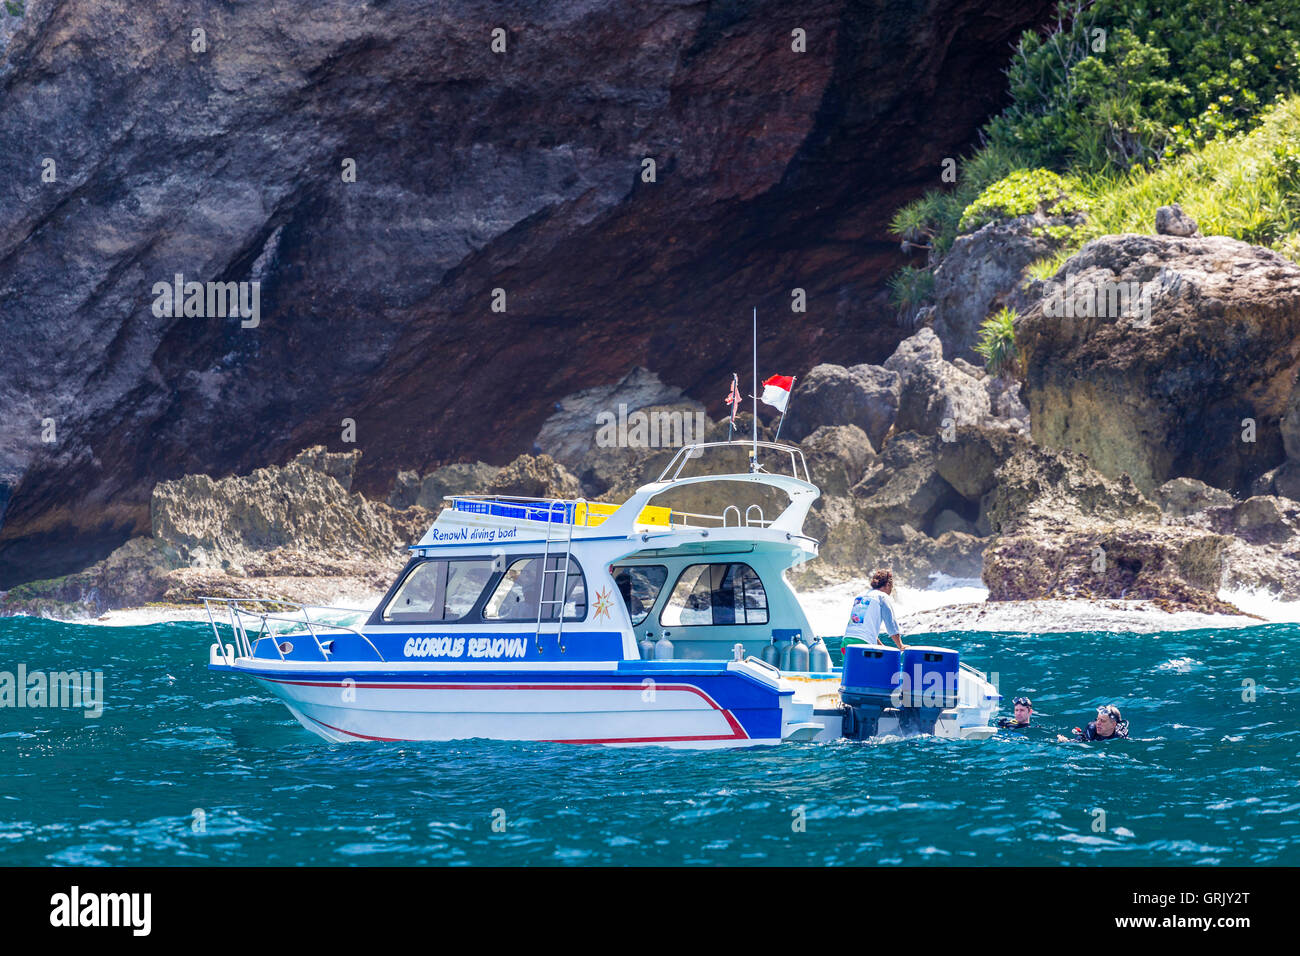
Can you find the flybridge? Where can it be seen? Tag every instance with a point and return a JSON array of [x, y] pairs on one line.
[[492, 519]]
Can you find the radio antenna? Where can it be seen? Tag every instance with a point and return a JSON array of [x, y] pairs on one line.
[[753, 455]]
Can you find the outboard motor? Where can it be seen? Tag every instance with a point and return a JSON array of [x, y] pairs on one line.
[[928, 686], [867, 687], [887, 691]]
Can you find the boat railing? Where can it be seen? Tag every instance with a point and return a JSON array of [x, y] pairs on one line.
[[557, 510], [579, 512], [798, 464], [251, 619]]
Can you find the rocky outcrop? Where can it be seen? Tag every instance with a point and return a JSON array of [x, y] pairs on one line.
[[1263, 552], [571, 432], [135, 574], [381, 172], [535, 476], [1180, 568], [301, 507], [1187, 377], [935, 394], [1172, 221], [915, 390], [982, 273], [837, 457], [864, 396], [1066, 531], [1186, 496], [428, 492]]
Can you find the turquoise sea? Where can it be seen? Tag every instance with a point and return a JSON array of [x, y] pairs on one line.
[[191, 768]]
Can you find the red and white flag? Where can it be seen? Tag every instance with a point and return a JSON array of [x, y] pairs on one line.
[[733, 398], [776, 391]]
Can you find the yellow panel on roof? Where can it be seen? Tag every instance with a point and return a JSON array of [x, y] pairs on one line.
[[594, 513]]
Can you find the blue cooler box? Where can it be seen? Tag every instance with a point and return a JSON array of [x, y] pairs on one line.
[[930, 676], [870, 670]]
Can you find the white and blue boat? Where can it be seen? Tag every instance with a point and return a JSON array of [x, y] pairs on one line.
[[587, 622]]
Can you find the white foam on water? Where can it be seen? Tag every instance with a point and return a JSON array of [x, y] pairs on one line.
[[1266, 604], [918, 608], [960, 604]]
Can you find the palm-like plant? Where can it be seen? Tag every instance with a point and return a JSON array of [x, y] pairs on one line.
[[997, 344]]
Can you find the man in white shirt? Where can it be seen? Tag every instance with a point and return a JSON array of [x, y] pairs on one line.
[[874, 610]]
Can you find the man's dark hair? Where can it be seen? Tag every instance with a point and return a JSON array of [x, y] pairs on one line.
[[882, 578]]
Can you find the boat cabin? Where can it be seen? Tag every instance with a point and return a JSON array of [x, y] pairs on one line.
[[641, 570]]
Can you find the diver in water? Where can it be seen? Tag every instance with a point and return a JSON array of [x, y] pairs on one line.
[[1023, 709], [1109, 725]]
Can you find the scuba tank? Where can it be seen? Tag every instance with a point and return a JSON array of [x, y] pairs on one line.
[[663, 648], [819, 657], [787, 649], [798, 654], [772, 654], [647, 648]]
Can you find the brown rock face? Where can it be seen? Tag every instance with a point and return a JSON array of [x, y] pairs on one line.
[[301, 507], [1166, 392], [1179, 567], [983, 272], [475, 171]]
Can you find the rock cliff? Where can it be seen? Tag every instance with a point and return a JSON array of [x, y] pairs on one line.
[[380, 171], [1176, 357]]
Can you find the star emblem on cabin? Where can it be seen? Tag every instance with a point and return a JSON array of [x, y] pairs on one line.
[[602, 604]]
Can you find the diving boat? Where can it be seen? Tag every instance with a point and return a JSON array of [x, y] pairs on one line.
[[571, 621]]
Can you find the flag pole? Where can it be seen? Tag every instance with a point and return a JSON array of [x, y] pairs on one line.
[[793, 379], [734, 396], [753, 455]]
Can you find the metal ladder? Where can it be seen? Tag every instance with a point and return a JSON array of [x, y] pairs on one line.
[[560, 506]]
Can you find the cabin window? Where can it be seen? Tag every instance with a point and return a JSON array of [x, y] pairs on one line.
[[717, 594], [439, 591], [640, 586], [516, 595]]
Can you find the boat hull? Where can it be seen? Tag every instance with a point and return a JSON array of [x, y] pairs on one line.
[[680, 704], [708, 707]]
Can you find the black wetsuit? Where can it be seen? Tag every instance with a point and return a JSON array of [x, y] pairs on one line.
[[1090, 732], [1009, 723]]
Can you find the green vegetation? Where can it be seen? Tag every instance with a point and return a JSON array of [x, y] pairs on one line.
[[909, 289], [1129, 105], [1022, 191], [997, 344], [1246, 187], [16, 8], [932, 221], [1130, 82]]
